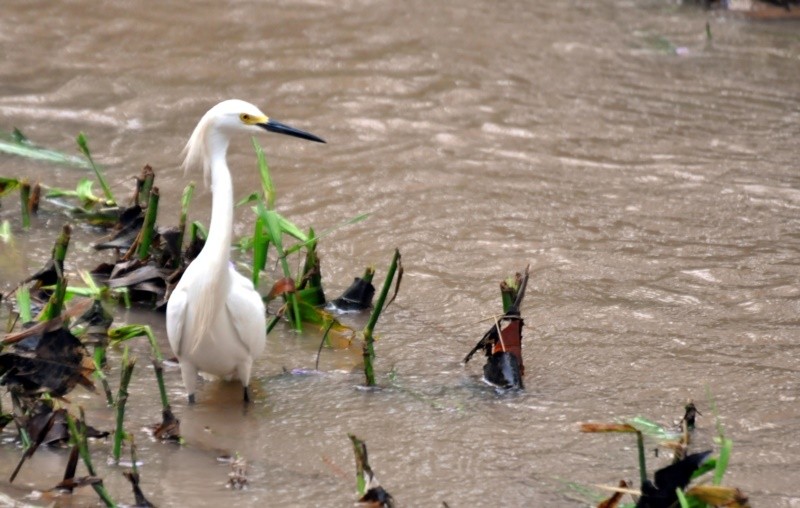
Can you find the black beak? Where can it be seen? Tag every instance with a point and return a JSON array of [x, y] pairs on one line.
[[282, 128]]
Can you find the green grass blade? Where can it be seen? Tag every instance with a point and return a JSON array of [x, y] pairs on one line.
[[652, 429], [5, 231], [682, 498], [267, 187], [290, 229], [353, 220], [271, 219], [8, 185], [17, 144], [726, 445], [24, 304], [84, 147], [260, 249]]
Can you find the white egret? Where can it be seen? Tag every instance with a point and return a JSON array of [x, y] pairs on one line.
[[216, 320]]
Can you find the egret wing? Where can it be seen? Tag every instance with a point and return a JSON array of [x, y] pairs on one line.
[[176, 315], [247, 313]]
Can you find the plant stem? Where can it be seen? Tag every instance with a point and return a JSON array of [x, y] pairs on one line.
[[275, 235], [387, 284], [148, 177], [53, 309], [24, 304], [24, 197], [260, 248], [84, 147], [508, 291], [642, 463], [149, 225], [99, 360], [368, 348], [158, 361], [122, 399], [185, 199], [79, 439], [369, 273]]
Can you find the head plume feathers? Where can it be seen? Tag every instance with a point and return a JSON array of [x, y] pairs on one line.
[[196, 152]]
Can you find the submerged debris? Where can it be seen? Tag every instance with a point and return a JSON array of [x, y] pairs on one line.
[[690, 415], [69, 483], [237, 478], [502, 343], [358, 296], [660, 493], [369, 489], [53, 362], [170, 427]]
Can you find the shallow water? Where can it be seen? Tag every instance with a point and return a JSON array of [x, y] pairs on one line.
[[655, 194]]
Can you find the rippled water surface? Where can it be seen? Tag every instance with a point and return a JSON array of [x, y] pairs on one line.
[[649, 175]]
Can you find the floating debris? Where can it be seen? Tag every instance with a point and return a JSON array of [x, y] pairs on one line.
[[237, 478], [70, 482], [369, 489], [53, 362], [660, 493], [690, 415], [358, 296], [169, 429], [502, 343]]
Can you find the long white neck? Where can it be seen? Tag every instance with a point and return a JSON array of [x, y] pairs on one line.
[[216, 252]]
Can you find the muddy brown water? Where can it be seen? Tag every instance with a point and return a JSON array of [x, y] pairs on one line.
[[655, 192]]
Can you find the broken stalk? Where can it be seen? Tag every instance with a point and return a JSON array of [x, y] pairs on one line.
[[148, 228], [99, 358], [158, 362], [122, 399], [369, 349], [185, 199], [24, 198], [79, 439], [53, 309], [84, 147]]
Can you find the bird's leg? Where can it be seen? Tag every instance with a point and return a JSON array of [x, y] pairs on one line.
[[189, 375], [243, 371]]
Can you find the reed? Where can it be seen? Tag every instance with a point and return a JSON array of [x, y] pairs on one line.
[[122, 399], [84, 148], [368, 349], [148, 228], [78, 438], [56, 302]]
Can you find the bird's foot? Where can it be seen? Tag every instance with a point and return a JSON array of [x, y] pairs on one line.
[[191, 398], [246, 395]]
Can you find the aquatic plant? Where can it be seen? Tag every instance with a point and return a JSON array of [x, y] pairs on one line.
[[670, 485]]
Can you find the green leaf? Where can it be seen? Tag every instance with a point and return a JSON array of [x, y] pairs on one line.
[[290, 229], [260, 249], [84, 147], [84, 192], [127, 332], [267, 187], [682, 498], [250, 198], [5, 231], [726, 445], [652, 429], [24, 304], [15, 143], [8, 184], [353, 220]]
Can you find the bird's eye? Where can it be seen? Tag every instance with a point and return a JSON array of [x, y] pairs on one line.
[[245, 117]]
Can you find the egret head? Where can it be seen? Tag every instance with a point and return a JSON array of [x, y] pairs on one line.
[[214, 131]]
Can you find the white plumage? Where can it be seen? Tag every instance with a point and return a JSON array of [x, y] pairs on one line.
[[216, 320]]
